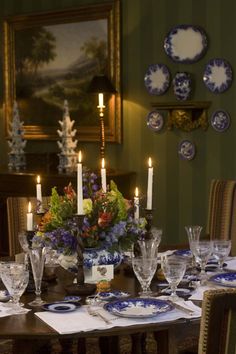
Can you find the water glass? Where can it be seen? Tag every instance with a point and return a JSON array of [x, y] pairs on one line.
[[37, 258], [221, 250], [173, 270], [202, 251], [149, 246], [144, 269], [193, 233]]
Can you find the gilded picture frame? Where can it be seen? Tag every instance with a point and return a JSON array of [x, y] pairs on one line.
[[52, 57]]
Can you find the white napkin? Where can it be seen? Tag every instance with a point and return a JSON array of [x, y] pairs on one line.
[[231, 264], [81, 321], [4, 310]]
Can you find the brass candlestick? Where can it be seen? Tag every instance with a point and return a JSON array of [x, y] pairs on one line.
[[80, 288]]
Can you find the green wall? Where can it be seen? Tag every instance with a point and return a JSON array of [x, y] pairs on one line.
[[180, 187]]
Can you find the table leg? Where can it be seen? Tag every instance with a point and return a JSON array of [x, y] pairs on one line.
[[162, 341], [81, 346], [66, 345], [109, 345], [137, 343]]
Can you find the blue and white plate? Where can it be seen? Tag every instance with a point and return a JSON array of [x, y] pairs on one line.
[[112, 295], [183, 253], [224, 279], [180, 291], [61, 307], [157, 79], [138, 307], [4, 295], [186, 150], [218, 75], [220, 120], [185, 43], [155, 120], [72, 298]]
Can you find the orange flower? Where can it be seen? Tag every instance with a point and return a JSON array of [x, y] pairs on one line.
[[104, 219]]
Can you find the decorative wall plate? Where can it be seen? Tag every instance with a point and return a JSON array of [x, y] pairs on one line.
[[218, 75], [220, 120], [186, 150], [157, 79], [138, 307], [185, 43], [155, 120]]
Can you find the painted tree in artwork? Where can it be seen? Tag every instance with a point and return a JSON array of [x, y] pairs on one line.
[[16, 142], [67, 143]]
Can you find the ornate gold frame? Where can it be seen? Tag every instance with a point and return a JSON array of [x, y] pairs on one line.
[[109, 11]]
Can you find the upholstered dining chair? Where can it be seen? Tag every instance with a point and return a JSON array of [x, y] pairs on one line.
[[221, 222], [16, 218]]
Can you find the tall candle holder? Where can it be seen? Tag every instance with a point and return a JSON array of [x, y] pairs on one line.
[[80, 288]]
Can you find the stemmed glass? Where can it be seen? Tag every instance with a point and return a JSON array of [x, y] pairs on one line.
[[149, 247], [144, 269], [193, 232], [202, 251], [174, 270], [15, 277], [221, 250], [37, 259]]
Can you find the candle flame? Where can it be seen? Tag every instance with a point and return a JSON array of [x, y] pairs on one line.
[[150, 162], [38, 179], [29, 207], [103, 162], [80, 156], [136, 192]]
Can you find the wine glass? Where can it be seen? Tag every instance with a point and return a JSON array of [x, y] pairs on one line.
[[144, 269], [37, 259], [149, 246], [174, 270], [221, 250], [15, 277], [202, 251], [193, 232]]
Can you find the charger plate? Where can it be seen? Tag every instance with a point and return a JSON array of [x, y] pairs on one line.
[[138, 307]]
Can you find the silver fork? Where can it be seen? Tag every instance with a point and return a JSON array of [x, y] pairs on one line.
[[98, 314]]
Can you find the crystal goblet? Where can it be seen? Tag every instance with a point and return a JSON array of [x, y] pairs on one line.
[[144, 269], [37, 259], [193, 233], [221, 250], [202, 251], [149, 246], [174, 270], [15, 277]]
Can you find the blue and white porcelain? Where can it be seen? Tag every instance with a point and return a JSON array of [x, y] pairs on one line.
[[61, 307], [183, 253], [186, 150], [182, 86], [138, 307], [220, 120], [112, 295], [101, 256], [218, 75], [185, 43], [224, 279], [155, 120], [157, 79]]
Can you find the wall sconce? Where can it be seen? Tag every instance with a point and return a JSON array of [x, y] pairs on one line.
[[101, 85]]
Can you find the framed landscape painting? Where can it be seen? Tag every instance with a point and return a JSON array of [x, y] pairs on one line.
[[52, 57]]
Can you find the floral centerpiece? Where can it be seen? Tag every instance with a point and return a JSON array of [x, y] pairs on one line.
[[108, 221]]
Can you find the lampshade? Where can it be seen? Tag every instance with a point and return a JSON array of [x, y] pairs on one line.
[[101, 84]]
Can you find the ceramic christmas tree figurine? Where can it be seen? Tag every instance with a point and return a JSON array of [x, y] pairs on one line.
[[16, 142], [67, 144]]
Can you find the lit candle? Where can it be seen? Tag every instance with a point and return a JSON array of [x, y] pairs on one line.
[[103, 176], [80, 209], [150, 184], [100, 100], [136, 204], [29, 215], [39, 195]]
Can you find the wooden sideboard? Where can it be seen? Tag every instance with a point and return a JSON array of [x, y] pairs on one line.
[[23, 184]]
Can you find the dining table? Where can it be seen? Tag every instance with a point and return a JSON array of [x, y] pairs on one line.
[[32, 332]]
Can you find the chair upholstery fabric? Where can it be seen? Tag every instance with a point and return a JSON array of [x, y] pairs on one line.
[[221, 222], [218, 322], [16, 219]]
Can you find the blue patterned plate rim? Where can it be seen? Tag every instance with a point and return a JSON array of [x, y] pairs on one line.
[[116, 294], [72, 298], [138, 307], [155, 120], [184, 253], [157, 79], [214, 82], [224, 279], [61, 307], [184, 55], [220, 120], [186, 150]]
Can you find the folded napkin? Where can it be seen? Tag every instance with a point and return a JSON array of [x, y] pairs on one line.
[[231, 264], [81, 321], [7, 311]]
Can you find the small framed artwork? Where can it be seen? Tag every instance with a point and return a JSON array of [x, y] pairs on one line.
[[50, 57]]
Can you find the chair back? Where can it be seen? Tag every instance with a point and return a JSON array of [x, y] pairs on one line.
[[16, 218], [221, 223], [218, 322]]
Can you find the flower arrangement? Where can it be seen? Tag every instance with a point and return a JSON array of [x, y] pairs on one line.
[[108, 220]]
